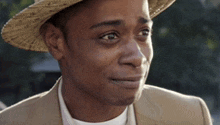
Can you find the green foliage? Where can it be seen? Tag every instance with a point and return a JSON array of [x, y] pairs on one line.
[[16, 78], [186, 48], [18, 6]]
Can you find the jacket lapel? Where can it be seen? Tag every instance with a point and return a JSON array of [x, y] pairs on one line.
[[48, 108], [147, 112]]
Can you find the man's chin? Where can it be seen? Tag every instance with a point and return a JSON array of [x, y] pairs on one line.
[[124, 102], [128, 101]]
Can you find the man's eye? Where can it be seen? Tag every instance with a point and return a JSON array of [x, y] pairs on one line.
[[109, 36], [144, 32]]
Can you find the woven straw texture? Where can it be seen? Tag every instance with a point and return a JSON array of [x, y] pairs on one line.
[[22, 30]]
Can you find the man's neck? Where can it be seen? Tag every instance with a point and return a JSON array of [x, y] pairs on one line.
[[88, 109]]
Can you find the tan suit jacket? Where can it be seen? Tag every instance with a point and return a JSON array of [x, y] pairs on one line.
[[156, 106]]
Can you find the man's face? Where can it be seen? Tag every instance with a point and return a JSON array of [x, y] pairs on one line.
[[109, 50]]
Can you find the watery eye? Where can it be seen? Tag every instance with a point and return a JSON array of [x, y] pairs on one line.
[[110, 36], [144, 33]]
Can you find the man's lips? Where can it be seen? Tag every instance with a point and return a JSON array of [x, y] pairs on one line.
[[131, 82], [130, 78]]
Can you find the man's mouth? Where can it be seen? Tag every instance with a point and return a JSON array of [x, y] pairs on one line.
[[129, 78], [128, 82]]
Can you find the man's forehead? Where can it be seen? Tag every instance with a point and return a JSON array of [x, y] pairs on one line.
[[107, 13], [141, 20]]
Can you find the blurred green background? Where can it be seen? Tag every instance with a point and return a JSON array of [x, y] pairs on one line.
[[186, 54]]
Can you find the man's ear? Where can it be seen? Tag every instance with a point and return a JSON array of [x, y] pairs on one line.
[[54, 39]]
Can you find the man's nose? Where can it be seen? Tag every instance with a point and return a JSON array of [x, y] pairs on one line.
[[132, 55]]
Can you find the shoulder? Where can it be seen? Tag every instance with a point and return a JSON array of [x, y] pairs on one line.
[[20, 112], [158, 94], [174, 107]]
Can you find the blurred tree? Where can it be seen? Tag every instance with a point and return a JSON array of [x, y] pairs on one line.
[[17, 81], [186, 49]]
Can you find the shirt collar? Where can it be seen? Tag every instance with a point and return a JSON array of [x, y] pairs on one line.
[[66, 117]]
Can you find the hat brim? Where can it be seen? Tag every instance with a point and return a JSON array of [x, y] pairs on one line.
[[22, 30]]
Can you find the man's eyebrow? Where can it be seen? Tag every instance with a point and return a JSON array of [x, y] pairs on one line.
[[107, 23], [144, 20]]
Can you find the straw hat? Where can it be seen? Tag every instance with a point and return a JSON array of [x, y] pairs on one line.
[[22, 30]]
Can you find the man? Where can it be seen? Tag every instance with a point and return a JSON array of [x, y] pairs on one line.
[[104, 50]]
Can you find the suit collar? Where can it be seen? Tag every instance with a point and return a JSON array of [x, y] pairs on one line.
[[146, 111], [51, 114]]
